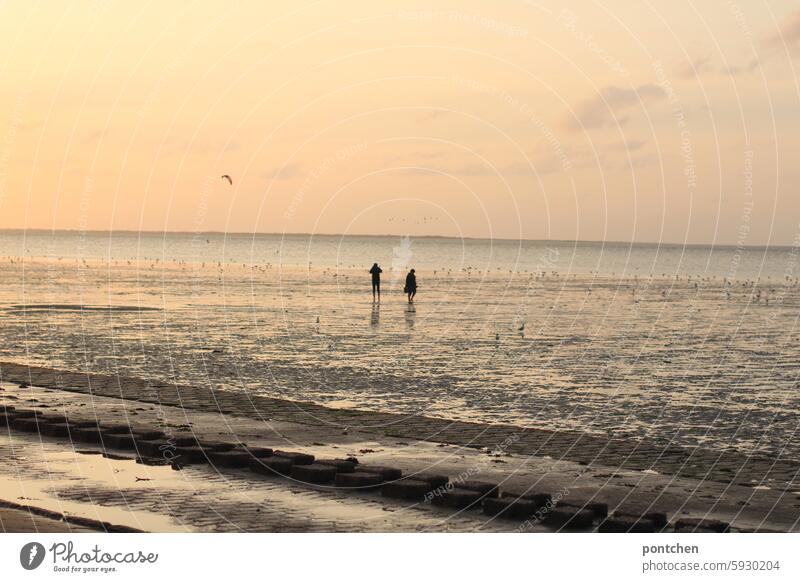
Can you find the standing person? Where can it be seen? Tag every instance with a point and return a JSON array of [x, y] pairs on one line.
[[411, 285], [376, 280]]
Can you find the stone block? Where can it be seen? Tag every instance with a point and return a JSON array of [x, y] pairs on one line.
[[598, 508], [315, 473], [87, 435], [510, 507], [6, 418], [295, 458], [409, 489], [56, 430], [341, 465], [457, 498], [259, 452], [358, 480], [234, 459], [540, 499], [190, 455], [627, 524], [568, 518], [388, 473], [271, 466], [688, 525], [30, 424], [119, 441], [483, 487], [659, 518], [432, 479]]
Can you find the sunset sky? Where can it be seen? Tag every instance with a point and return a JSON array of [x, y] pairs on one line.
[[609, 120]]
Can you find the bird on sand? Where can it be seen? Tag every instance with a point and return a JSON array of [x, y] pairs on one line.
[[228, 178]]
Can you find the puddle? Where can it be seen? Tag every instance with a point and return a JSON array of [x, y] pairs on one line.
[[59, 469]]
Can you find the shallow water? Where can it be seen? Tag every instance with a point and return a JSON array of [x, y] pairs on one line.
[[673, 344]]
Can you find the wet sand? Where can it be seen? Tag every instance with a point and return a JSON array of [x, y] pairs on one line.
[[117, 489], [685, 361], [13, 520]]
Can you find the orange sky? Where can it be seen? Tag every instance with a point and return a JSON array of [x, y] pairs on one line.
[[607, 120]]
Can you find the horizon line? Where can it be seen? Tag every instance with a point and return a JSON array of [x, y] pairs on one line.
[[437, 236]]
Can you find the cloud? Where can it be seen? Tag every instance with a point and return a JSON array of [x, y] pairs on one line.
[[285, 172], [788, 34], [696, 67], [607, 108], [539, 165], [736, 70], [774, 44], [94, 136]]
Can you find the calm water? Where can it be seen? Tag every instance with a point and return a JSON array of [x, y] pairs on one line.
[[682, 344]]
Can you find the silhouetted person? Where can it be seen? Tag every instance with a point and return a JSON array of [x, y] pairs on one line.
[[411, 285], [376, 280]]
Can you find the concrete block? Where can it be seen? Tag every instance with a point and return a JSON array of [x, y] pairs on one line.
[[231, 459], [155, 448], [388, 473], [30, 424], [627, 524], [568, 518], [314, 473], [295, 458], [659, 518], [510, 507], [598, 508], [217, 446], [24, 413], [358, 480], [341, 465], [147, 435], [56, 430], [409, 489], [458, 498], [183, 439], [432, 479], [688, 525], [259, 452], [540, 499], [119, 441], [87, 435], [117, 429], [485, 488], [271, 466], [190, 455]]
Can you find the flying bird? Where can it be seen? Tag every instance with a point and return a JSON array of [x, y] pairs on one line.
[[228, 178]]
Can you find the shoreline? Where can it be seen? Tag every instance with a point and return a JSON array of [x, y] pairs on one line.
[[521, 240]]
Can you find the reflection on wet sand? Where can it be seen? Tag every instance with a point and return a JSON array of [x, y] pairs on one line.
[[410, 313]]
